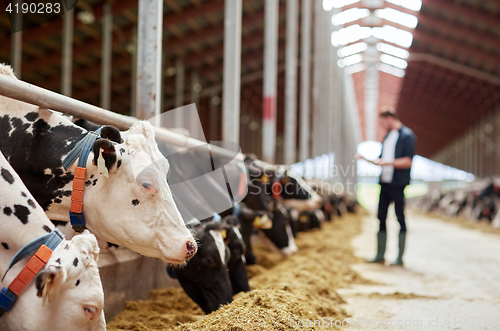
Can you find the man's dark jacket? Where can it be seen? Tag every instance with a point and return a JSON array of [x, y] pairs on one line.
[[405, 147]]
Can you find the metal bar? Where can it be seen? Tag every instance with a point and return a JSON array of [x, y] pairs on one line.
[[292, 20], [305, 72], [133, 74], [17, 40], [195, 98], [232, 71], [270, 80], [149, 50], [67, 50], [106, 54], [179, 92], [22, 91]]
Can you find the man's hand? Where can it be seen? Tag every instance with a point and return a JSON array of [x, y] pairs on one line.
[[382, 163]]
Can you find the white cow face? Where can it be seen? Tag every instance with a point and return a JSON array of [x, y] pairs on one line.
[[66, 295], [134, 207]]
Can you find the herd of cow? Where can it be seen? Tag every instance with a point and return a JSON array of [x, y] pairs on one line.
[[120, 188], [478, 201]]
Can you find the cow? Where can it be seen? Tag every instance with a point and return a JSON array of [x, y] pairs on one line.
[[66, 294], [126, 199], [234, 240], [283, 184], [205, 277]]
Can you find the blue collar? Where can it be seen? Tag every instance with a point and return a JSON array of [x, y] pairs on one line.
[[51, 240], [81, 151]]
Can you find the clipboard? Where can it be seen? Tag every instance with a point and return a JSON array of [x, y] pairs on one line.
[[367, 160]]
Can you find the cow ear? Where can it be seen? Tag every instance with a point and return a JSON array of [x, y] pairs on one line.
[[107, 149], [111, 133], [48, 281]]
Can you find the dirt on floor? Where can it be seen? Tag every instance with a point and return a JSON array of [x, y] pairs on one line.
[[284, 290], [481, 225]]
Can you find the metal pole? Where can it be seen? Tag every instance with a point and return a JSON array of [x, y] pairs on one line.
[[107, 42], [318, 75], [195, 98], [133, 74], [22, 91], [292, 20], [149, 50], [305, 54], [179, 92], [17, 41], [270, 80], [67, 53], [232, 71]]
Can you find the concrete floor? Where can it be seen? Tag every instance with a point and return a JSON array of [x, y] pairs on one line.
[[452, 276]]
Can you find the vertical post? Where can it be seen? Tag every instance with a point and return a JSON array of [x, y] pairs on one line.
[[232, 71], [291, 81], [107, 35], [305, 62], [318, 96], [270, 80], [133, 74], [67, 53], [149, 50], [17, 40], [179, 92], [195, 98]]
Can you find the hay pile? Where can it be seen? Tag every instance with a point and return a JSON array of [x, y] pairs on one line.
[[298, 287]]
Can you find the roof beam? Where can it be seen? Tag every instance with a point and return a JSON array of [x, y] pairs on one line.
[[467, 13], [451, 46]]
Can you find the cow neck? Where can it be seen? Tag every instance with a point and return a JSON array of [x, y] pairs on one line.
[[42, 249], [81, 152]]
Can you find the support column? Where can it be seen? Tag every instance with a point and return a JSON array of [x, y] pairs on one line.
[[133, 74], [305, 74], [292, 21], [232, 71], [270, 80], [318, 83], [193, 125], [67, 53], [107, 42], [179, 92], [149, 50], [16, 41]]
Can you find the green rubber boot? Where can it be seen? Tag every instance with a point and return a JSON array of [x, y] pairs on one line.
[[381, 243], [402, 241]]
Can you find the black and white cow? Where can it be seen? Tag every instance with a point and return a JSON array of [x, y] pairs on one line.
[[205, 278], [237, 249], [67, 293], [133, 207]]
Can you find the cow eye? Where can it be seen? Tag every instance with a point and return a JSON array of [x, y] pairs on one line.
[[147, 184]]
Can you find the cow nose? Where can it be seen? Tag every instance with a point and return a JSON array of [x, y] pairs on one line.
[[191, 248]]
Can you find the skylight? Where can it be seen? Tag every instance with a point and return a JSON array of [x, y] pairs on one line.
[[350, 15], [393, 35], [390, 70], [352, 49], [391, 50], [410, 4], [396, 16], [350, 34], [393, 61]]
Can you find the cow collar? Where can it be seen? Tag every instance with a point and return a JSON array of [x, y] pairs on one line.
[[42, 249], [81, 151]]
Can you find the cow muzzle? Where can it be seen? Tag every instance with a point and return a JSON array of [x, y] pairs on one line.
[[191, 248]]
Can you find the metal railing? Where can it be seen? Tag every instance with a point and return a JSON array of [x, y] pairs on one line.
[[35, 95]]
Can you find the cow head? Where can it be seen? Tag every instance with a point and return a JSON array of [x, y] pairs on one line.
[[281, 233], [127, 200], [234, 241], [67, 294], [205, 277]]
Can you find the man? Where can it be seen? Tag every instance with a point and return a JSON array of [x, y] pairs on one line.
[[398, 149]]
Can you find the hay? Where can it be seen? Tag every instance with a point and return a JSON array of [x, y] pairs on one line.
[[299, 287]]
